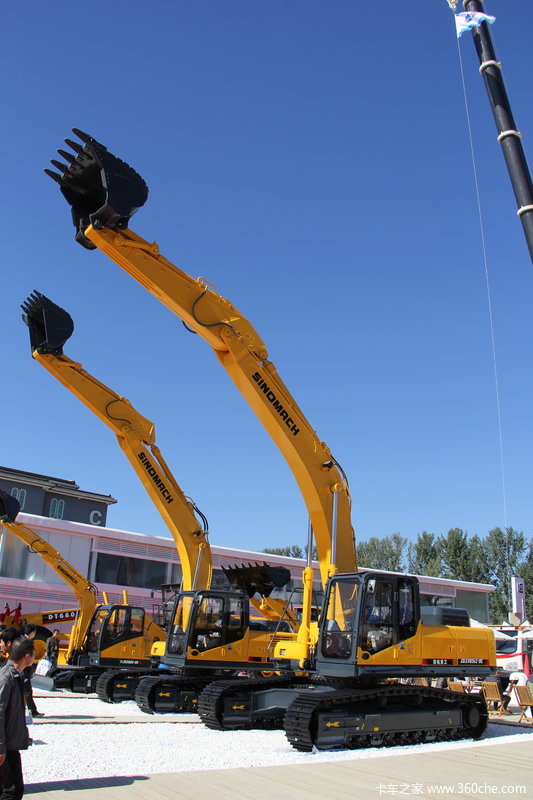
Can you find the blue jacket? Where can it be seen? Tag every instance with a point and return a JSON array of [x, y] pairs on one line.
[[13, 730]]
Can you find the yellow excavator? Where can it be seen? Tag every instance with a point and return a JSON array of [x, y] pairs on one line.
[[41, 619], [373, 638], [83, 589], [17, 617], [236, 640], [103, 634]]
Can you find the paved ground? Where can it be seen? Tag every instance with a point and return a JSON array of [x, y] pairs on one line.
[[495, 770], [491, 769]]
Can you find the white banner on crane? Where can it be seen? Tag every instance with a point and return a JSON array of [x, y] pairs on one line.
[[519, 597]]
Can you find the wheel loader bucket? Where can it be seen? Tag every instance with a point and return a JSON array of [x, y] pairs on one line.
[[257, 578], [9, 507], [101, 189], [50, 326]]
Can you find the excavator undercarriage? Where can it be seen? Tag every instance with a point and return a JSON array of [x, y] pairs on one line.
[[318, 715]]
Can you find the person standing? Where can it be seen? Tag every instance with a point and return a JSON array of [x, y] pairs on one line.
[[7, 637], [52, 648], [13, 731], [29, 631]]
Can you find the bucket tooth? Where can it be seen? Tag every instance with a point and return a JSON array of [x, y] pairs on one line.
[[67, 156], [55, 177], [102, 190], [74, 145], [50, 325], [81, 135], [59, 164], [9, 507]]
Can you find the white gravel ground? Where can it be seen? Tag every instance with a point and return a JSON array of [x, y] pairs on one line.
[[69, 751]]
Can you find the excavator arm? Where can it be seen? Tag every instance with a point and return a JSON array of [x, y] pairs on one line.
[[93, 182], [50, 327], [83, 589]]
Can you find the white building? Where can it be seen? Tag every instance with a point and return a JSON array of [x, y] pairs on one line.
[[115, 560]]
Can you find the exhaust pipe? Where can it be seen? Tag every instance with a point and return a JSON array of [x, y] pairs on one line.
[[50, 326], [9, 507], [102, 190]]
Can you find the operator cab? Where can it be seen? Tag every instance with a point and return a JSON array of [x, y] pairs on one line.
[[114, 632], [370, 611], [204, 620]]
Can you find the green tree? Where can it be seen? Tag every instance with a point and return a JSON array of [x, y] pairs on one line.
[[506, 550], [525, 571], [454, 552], [477, 567], [424, 555], [387, 552], [292, 550], [464, 558], [314, 552]]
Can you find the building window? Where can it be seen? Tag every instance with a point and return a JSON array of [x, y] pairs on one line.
[[476, 603], [219, 580], [20, 495], [126, 571], [57, 508]]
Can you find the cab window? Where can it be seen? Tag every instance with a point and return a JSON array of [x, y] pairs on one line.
[[377, 622], [339, 618], [176, 642], [235, 621], [406, 609], [208, 626], [137, 621]]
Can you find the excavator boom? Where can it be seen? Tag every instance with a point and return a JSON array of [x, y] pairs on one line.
[[237, 346], [47, 323]]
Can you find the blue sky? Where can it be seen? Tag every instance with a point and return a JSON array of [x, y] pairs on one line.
[[312, 161]]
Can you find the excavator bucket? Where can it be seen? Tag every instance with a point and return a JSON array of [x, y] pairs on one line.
[[9, 507], [50, 326], [257, 578], [101, 189]]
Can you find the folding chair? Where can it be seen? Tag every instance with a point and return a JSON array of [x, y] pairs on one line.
[[491, 692], [525, 701], [456, 686]]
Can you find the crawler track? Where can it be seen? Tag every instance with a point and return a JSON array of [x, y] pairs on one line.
[[172, 694], [226, 705], [384, 715], [117, 685], [79, 680]]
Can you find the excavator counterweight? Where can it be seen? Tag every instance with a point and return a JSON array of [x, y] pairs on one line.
[[101, 189], [9, 507], [50, 326]]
